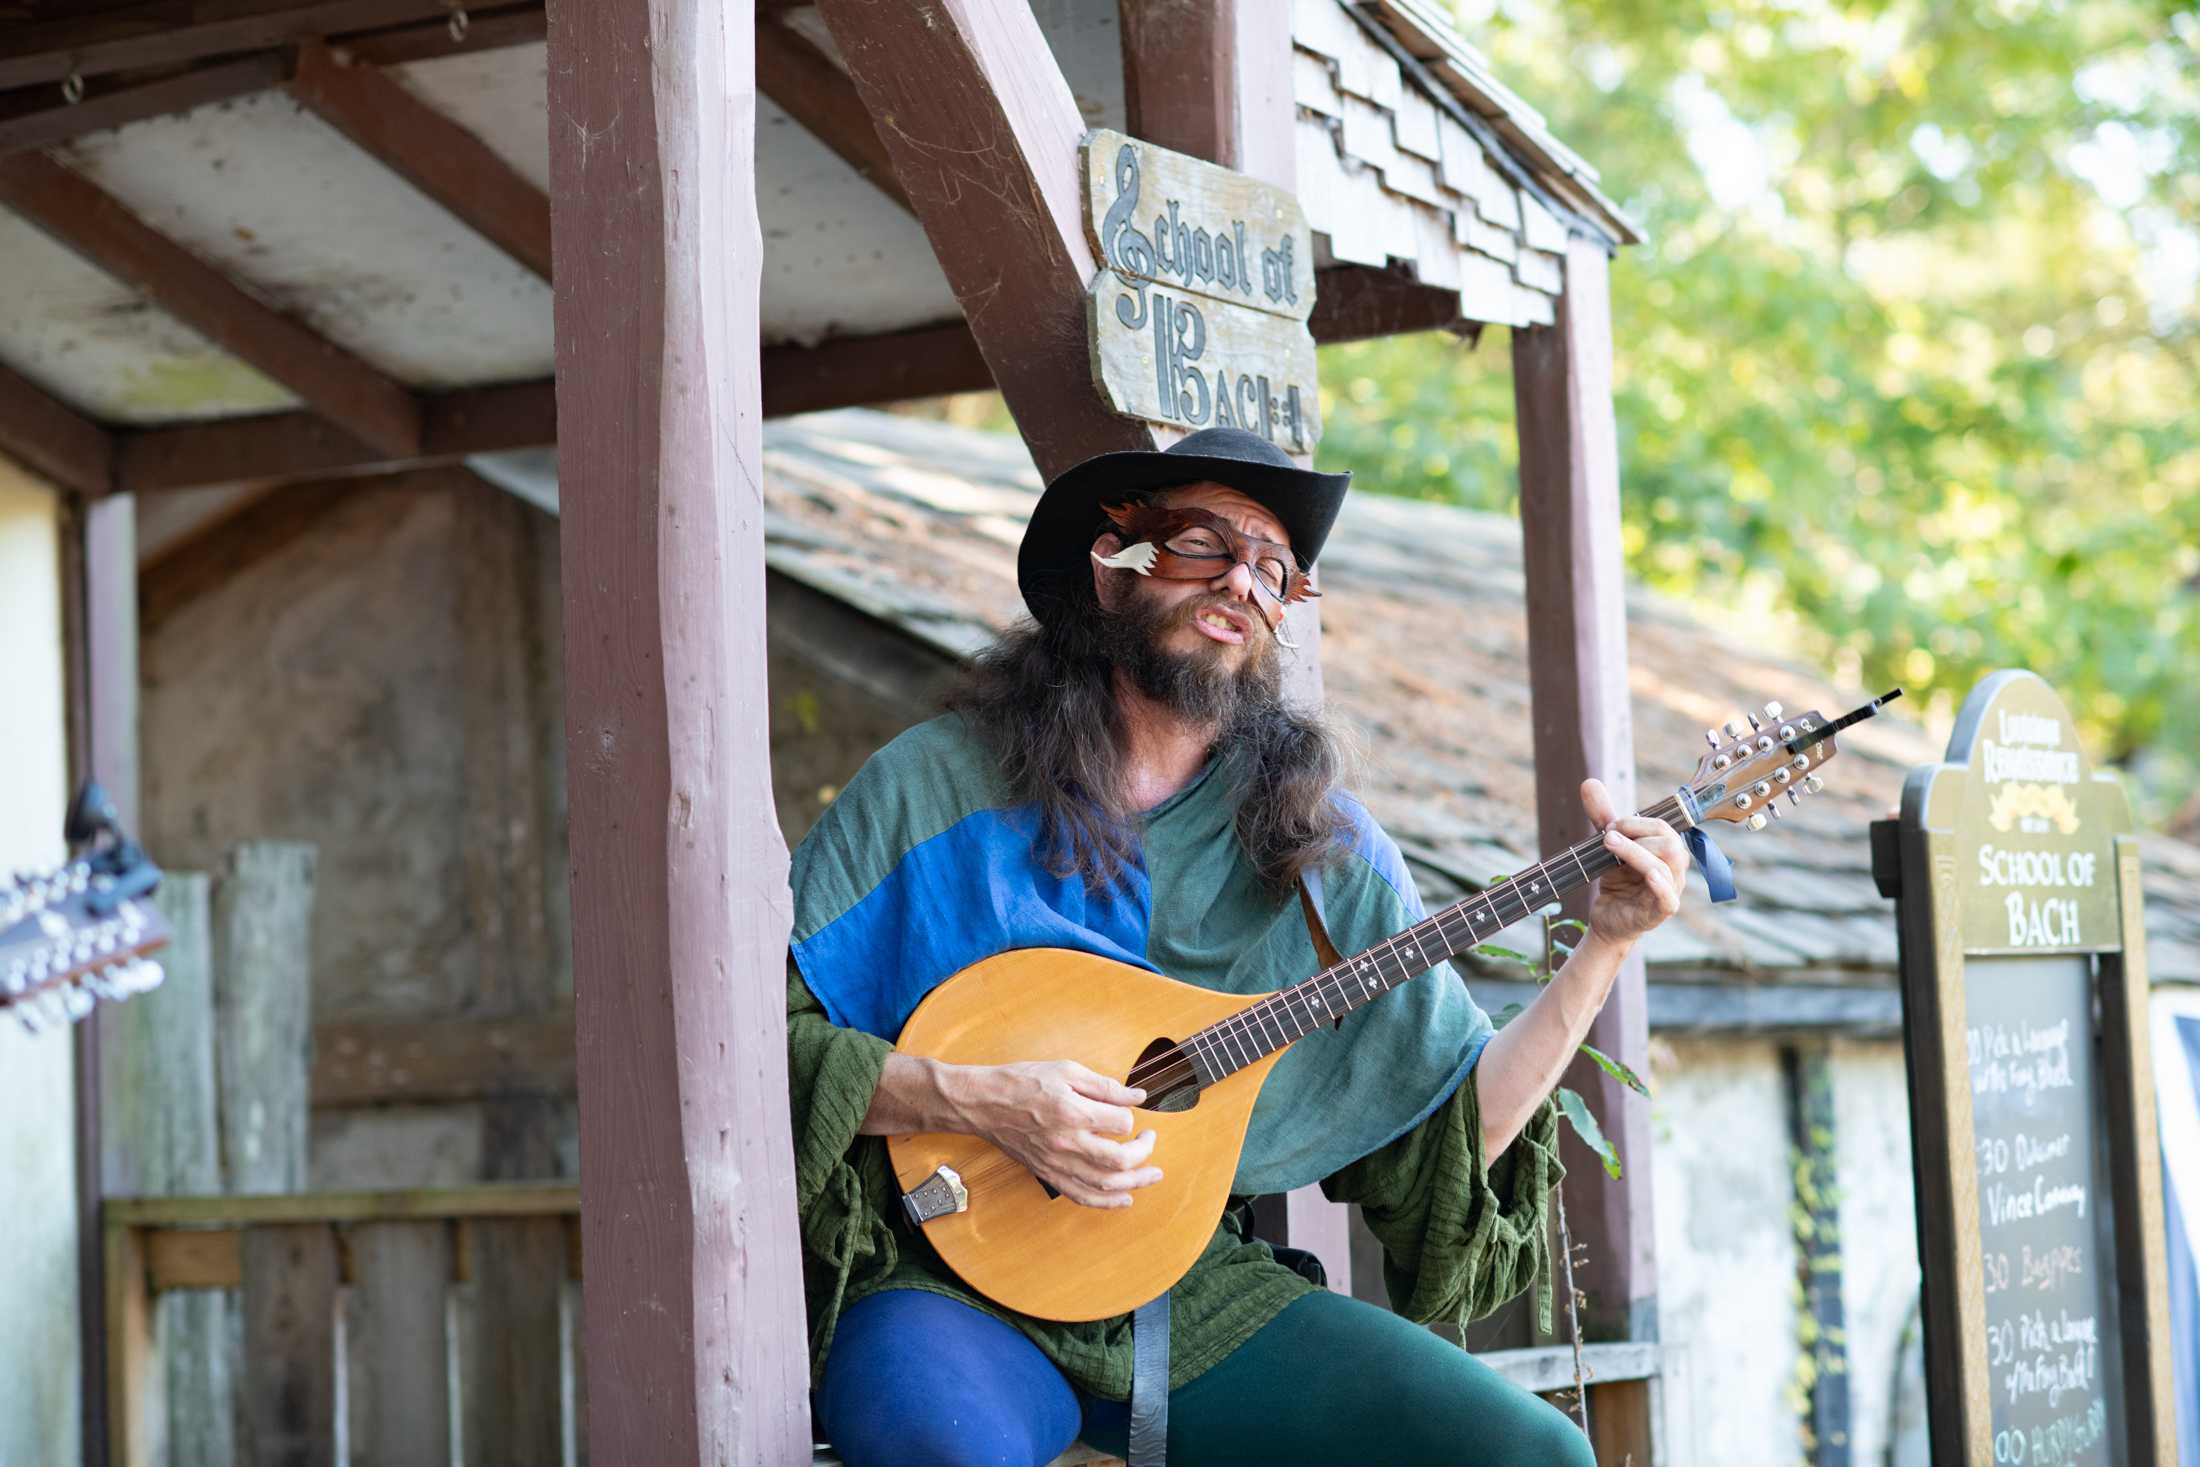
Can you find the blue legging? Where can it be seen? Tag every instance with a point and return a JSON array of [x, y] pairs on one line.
[[918, 1380]]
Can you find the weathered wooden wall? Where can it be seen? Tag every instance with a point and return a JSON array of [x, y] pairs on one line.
[[374, 670]]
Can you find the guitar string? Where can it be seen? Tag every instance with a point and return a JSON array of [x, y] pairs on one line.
[[1244, 1026], [1255, 1021], [1244, 1029]]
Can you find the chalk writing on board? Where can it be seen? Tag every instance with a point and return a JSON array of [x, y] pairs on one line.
[[2032, 1084], [2024, 1061]]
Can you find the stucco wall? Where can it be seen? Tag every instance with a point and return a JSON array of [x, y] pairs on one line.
[[1726, 1252], [1879, 1274], [38, 1303]]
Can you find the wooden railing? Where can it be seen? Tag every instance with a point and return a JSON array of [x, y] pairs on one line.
[[437, 1316]]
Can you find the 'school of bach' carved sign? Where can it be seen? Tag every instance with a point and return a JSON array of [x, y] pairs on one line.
[[1198, 318]]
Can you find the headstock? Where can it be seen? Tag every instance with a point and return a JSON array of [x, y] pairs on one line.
[[1748, 770], [80, 932]]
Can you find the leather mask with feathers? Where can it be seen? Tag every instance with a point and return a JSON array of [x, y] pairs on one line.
[[1187, 544]]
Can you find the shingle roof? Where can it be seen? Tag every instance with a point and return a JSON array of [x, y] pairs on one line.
[[1411, 152], [1424, 654]]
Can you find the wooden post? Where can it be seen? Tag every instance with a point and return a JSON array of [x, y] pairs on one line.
[[1577, 667], [263, 1003], [163, 1139], [695, 1339], [100, 604]]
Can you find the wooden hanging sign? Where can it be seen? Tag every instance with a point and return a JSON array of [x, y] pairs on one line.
[[2015, 868], [1198, 314]]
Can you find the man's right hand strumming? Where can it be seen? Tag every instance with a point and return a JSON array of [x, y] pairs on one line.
[[1069, 1125]]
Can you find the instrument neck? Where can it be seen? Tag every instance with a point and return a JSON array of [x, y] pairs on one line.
[[1274, 1022]]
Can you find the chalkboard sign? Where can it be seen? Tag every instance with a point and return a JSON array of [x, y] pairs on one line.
[[2046, 1241], [2016, 870]]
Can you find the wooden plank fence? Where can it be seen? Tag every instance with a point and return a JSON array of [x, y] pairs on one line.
[[497, 1255]]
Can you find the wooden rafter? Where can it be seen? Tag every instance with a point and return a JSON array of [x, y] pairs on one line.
[[52, 439], [927, 361], [486, 30], [274, 446], [979, 112], [802, 82], [1355, 302], [164, 32], [35, 117], [851, 371], [339, 385], [428, 150], [216, 553]]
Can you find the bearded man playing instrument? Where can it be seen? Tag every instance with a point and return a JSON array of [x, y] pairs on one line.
[[1123, 777]]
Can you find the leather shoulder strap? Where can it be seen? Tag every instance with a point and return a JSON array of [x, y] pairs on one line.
[[1311, 903]]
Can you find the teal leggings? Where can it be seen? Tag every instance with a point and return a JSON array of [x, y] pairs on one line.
[[920, 1379]]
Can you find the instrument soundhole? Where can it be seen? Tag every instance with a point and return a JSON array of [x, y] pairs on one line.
[[1174, 1085]]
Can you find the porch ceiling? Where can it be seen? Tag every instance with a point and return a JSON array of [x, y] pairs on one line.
[[210, 134]]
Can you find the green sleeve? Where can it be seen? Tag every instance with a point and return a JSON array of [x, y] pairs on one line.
[[841, 1179], [1459, 1237]]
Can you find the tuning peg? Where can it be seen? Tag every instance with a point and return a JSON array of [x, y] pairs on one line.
[[1795, 797], [1774, 807], [1711, 737], [1753, 723], [1772, 712], [1813, 783], [1733, 729], [1756, 821]]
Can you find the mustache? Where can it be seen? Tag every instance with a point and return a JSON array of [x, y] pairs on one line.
[[1188, 612]]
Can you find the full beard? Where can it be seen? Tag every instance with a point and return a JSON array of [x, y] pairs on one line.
[[1206, 685]]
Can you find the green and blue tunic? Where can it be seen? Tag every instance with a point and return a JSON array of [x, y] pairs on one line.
[[923, 866]]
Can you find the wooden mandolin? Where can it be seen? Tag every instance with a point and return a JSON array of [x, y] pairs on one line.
[[1202, 1056]]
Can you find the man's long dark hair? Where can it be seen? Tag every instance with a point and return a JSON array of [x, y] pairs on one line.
[[1044, 699]]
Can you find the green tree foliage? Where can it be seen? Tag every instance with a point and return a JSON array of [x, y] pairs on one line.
[[1911, 354]]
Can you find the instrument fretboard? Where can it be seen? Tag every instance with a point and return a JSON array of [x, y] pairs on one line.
[[1270, 1024]]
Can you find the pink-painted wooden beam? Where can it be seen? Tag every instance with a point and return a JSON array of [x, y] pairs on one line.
[[697, 1350], [1578, 687]]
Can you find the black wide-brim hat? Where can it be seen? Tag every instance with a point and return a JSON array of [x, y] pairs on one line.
[[1058, 541]]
